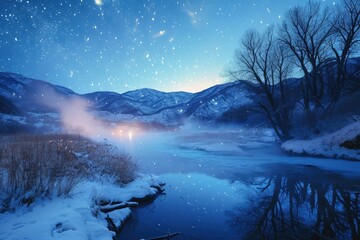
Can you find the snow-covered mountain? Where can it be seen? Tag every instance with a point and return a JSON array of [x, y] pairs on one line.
[[213, 102], [139, 102], [23, 96], [30, 95]]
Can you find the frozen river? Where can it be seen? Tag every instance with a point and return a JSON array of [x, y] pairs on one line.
[[239, 185]]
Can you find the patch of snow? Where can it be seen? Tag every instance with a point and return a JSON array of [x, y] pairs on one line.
[[76, 217], [120, 216], [328, 145]]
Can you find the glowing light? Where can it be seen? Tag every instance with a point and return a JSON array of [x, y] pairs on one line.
[[127, 131], [160, 33], [99, 2]]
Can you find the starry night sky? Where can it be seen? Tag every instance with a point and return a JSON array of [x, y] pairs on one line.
[[121, 45]]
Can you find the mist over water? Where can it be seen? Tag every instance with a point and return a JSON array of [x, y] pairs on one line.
[[232, 183], [226, 181]]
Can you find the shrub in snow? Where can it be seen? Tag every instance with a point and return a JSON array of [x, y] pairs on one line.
[[108, 162], [121, 167], [33, 167], [37, 166]]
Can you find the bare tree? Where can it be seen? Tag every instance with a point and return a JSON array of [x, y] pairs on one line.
[[314, 41], [306, 31], [265, 61], [344, 43]]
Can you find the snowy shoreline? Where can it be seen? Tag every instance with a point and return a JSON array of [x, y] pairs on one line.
[[329, 146], [95, 210]]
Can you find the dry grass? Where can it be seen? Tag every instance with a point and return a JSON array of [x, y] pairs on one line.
[[121, 167], [105, 161], [37, 166]]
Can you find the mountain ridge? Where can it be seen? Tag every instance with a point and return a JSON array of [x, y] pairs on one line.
[[30, 96]]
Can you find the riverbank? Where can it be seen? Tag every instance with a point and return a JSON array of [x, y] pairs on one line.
[[342, 144], [95, 210], [61, 186]]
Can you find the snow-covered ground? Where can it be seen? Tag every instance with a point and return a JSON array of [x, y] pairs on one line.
[[327, 145], [78, 216]]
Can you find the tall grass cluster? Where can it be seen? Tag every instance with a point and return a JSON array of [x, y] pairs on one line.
[[40, 166]]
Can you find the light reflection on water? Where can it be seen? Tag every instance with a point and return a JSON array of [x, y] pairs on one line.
[[212, 196], [194, 205]]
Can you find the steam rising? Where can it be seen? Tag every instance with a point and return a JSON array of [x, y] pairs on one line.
[[75, 116]]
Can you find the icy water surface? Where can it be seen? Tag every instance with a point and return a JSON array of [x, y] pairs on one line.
[[223, 187]]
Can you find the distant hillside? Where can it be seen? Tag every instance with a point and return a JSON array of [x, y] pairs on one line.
[[32, 97], [27, 103]]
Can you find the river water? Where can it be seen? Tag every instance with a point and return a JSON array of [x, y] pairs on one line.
[[239, 185]]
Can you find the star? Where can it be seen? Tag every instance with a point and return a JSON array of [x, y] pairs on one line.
[[142, 43], [99, 2]]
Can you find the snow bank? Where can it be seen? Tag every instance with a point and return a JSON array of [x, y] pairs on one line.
[[328, 145], [77, 217]]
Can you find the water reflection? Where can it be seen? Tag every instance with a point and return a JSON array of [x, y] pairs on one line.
[[194, 204], [242, 195], [298, 202], [281, 201]]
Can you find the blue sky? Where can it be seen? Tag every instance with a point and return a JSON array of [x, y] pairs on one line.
[[121, 45]]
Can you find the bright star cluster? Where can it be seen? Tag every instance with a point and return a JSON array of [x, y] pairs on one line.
[[121, 45]]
